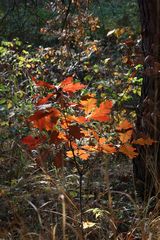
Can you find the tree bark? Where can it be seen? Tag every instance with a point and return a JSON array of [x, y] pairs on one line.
[[147, 165]]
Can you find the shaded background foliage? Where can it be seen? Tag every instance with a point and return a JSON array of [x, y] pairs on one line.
[[25, 18]]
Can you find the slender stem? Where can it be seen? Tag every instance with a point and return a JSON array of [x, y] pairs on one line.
[[81, 200]]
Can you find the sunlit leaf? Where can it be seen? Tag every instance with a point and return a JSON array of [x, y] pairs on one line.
[[124, 125], [88, 105], [43, 84], [88, 224], [69, 86], [45, 99], [101, 113], [108, 148], [78, 153]]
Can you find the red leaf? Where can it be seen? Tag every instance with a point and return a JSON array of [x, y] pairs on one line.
[[45, 120], [75, 131], [43, 84], [59, 160], [45, 99], [101, 114], [32, 142], [68, 80], [69, 86]]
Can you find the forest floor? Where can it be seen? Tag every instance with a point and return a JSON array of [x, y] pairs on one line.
[[31, 204]]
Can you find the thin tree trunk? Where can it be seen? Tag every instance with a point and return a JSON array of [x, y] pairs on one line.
[[147, 164]]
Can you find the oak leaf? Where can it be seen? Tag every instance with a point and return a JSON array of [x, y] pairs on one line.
[[88, 105], [32, 142], [124, 125], [101, 113], [128, 150], [45, 119], [40, 83], [125, 137], [75, 131], [59, 159], [45, 99], [69, 86], [144, 141], [78, 153]]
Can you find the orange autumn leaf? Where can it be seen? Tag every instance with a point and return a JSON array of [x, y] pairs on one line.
[[66, 81], [125, 137], [102, 140], [128, 150], [144, 141], [124, 125], [69, 86], [80, 119], [45, 99], [108, 148], [78, 153], [88, 105], [87, 96], [86, 133], [101, 113], [57, 137], [40, 83], [45, 120], [105, 147], [90, 148]]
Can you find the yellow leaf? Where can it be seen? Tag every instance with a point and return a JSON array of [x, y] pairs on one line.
[[9, 104], [88, 105], [88, 224]]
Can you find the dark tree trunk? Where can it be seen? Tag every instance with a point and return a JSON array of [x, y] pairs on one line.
[[147, 164]]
